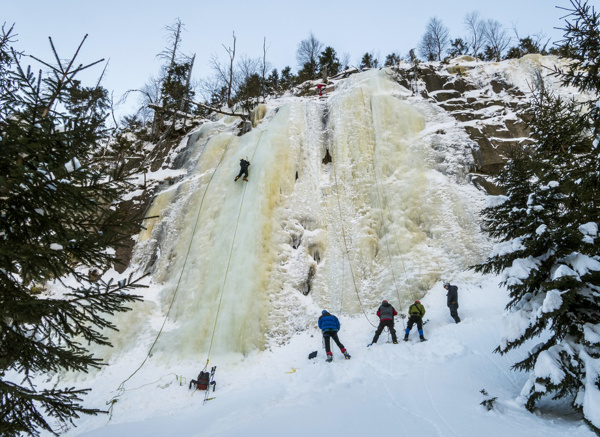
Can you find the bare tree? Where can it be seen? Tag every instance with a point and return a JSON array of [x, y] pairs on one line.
[[213, 91], [175, 61], [476, 33], [308, 53], [497, 40], [245, 68], [170, 52], [224, 72], [345, 61], [538, 42], [435, 41], [150, 94], [264, 69]]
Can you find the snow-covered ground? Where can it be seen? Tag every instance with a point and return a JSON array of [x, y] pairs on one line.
[[426, 389], [241, 271]]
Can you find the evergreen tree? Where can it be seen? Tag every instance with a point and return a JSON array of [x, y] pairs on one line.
[[58, 220], [548, 232], [328, 59], [368, 61], [392, 59], [458, 48], [272, 83], [288, 80], [526, 46], [308, 71], [249, 92], [489, 54], [175, 90], [6, 37]]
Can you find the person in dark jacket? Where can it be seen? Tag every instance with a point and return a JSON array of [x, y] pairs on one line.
[[244, 164], [330, 325], [416, 312], [452, 296], [386, 313]]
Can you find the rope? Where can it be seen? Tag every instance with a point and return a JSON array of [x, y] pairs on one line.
[[212, 338], [317, 184], [346, 243], [121, 387], [383, 204]]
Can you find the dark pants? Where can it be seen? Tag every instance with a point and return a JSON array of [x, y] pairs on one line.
[[454, 312], [327, 336], [412, 320], [243, 171], [382, 324]]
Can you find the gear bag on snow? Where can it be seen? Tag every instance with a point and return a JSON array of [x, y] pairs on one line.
[[202, 382], [312, 355]]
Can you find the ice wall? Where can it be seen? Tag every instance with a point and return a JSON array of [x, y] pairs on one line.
[[348, 203]]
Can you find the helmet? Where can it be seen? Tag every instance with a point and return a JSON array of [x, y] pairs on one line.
[[324, 312], [385, 301], [417, 301], [446, 284]]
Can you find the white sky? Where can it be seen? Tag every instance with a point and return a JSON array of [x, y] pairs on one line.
[[131, 33]]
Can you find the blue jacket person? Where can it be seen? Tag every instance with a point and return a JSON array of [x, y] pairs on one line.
[[330, 325]]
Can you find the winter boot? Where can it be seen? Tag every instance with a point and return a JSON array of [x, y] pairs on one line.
[[246, 179], [347, 355], [423, 338], [236, 178], [329, 357]]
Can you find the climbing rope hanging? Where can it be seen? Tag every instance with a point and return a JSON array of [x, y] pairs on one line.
[[383, 204], [346, 243], [212, 338], [121, 387], [341, 300]]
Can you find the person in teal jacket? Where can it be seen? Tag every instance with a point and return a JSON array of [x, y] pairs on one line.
[[330, 325]]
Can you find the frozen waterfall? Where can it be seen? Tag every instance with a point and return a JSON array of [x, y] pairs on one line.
[[350, 200]]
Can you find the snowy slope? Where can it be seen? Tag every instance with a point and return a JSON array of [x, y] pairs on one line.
[[240, 273], [427, 389]]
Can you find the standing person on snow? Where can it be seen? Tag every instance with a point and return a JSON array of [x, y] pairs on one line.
[[386, 313], [452, 296], [244, 164], [330, 325], [416, 312]]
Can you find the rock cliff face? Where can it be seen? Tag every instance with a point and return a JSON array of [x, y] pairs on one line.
[[486, 99]]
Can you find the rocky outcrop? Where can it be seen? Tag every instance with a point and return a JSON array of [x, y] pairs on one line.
[[488, 107]]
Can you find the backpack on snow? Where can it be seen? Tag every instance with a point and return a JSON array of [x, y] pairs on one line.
[[202, 382]]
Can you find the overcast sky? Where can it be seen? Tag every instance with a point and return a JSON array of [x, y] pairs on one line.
[[130, 33]]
